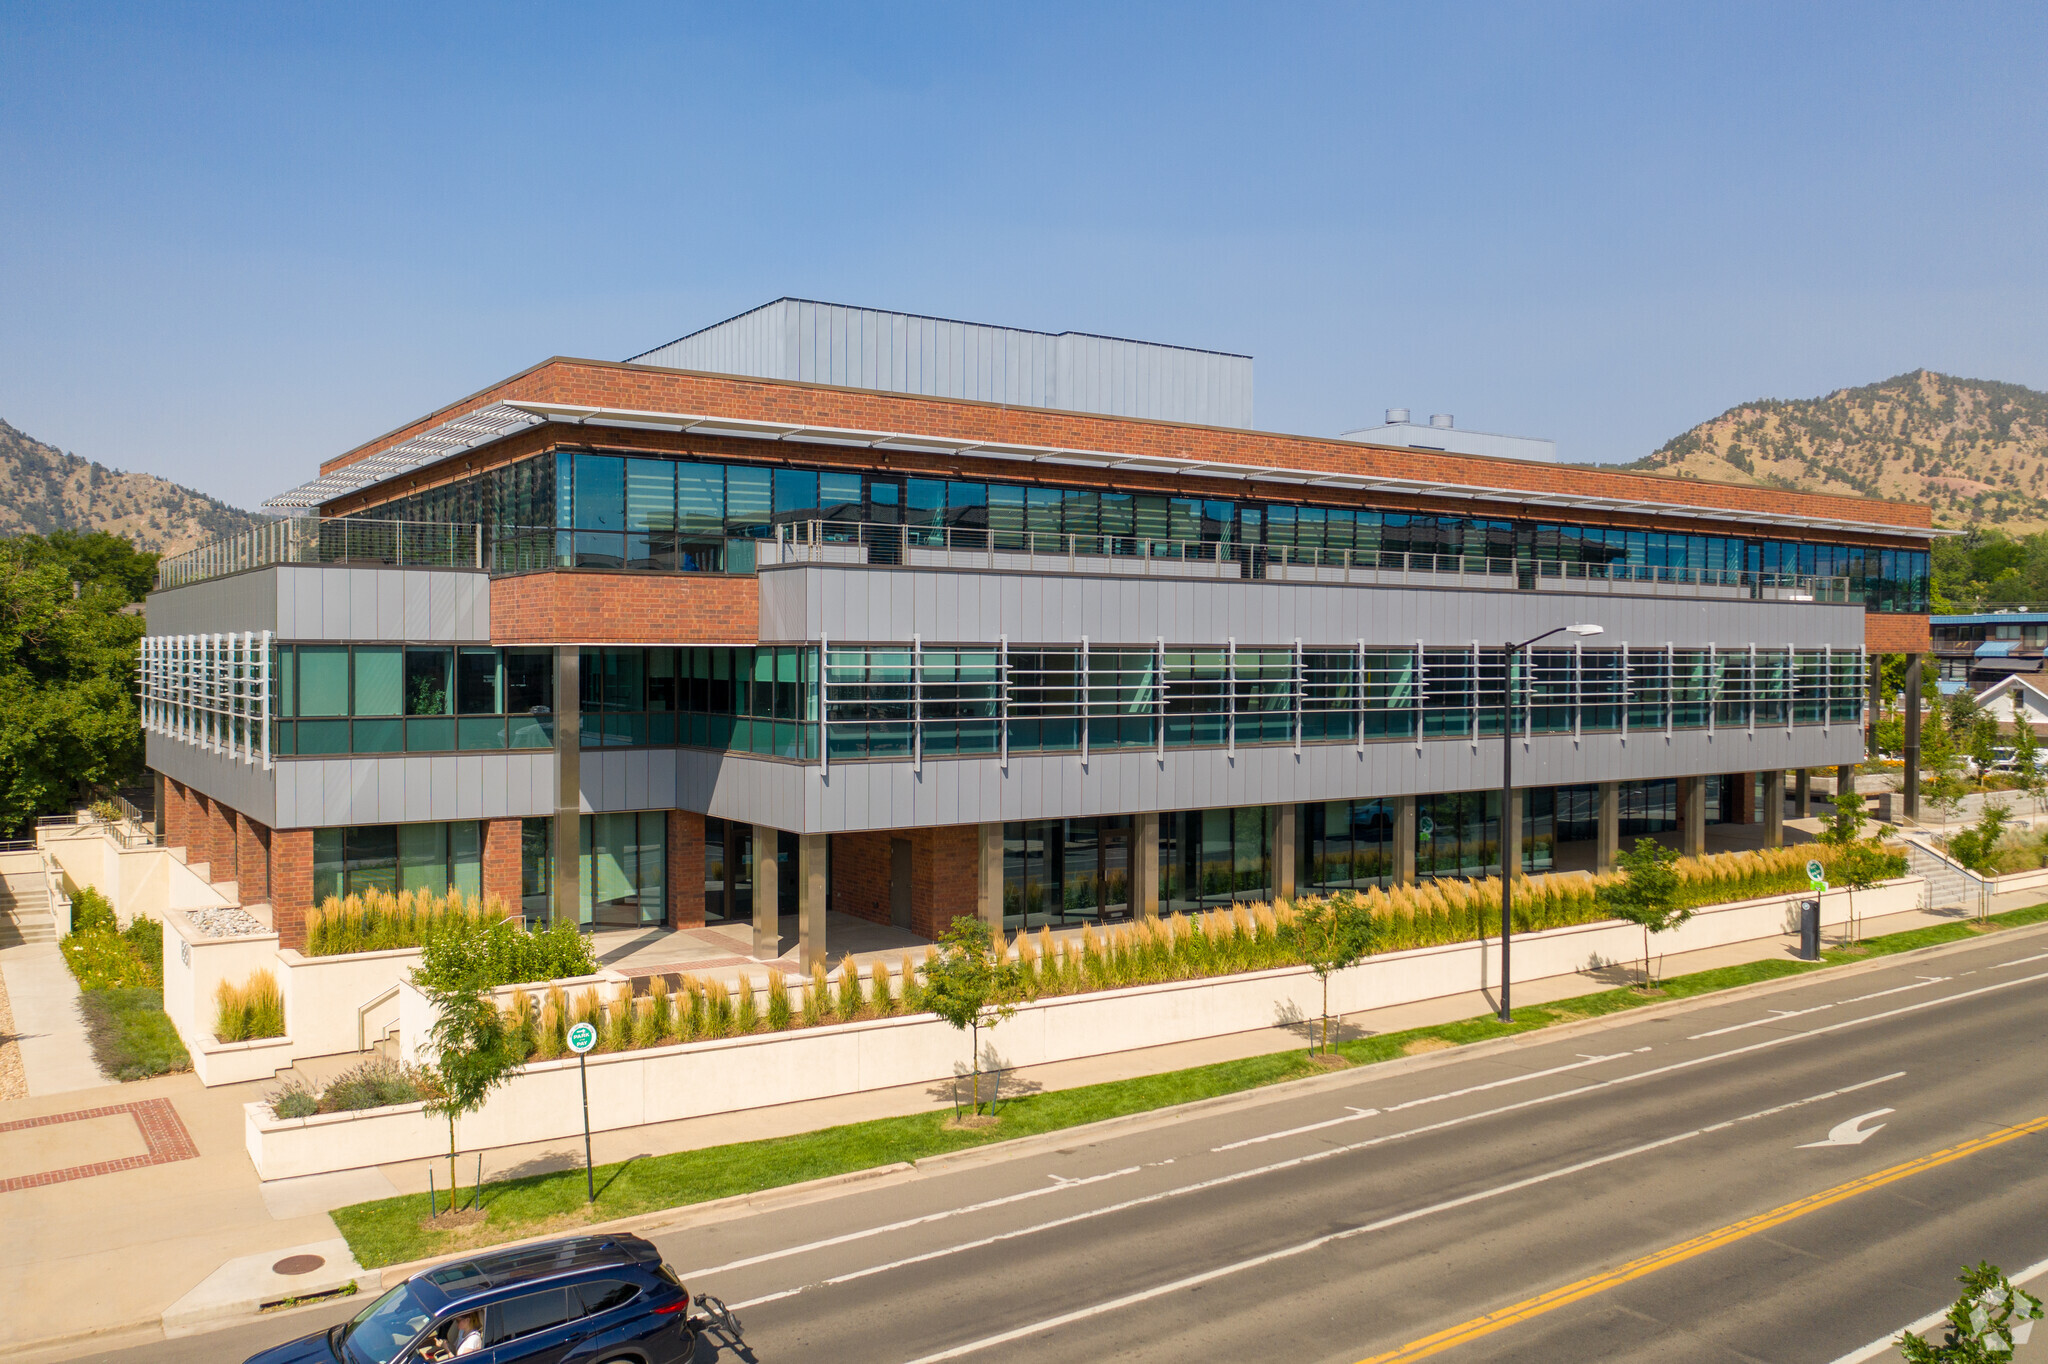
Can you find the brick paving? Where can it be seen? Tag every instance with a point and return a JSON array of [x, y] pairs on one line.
[[163, 1135]]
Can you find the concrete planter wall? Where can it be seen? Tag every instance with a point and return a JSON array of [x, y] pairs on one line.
[[696, 1079], [194, 967], [325, 993]]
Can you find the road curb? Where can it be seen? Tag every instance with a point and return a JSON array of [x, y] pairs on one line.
[[832, 1186]]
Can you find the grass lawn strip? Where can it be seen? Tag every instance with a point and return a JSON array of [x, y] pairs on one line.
[[388, 1231]]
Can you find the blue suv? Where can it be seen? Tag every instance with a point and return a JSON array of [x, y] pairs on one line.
[[583, 1300]]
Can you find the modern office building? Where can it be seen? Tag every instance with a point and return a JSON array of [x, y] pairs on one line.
[[905, 619]]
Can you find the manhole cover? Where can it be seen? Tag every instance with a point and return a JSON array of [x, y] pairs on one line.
[[297, 1264]]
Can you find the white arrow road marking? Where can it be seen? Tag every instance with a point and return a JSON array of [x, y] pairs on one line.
[[1852, 1132]]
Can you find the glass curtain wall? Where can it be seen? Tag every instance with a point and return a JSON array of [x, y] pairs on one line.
[[432, 858], [1216, 857], [622, 872], [1066, 871]]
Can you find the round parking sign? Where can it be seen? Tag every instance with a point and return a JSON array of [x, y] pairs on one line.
[[1814, 870], [582, 1038]]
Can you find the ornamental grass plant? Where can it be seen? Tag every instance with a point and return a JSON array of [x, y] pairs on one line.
[[251, 1010], [379, 920]]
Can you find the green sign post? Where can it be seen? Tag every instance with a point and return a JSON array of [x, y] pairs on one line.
[[582, 1037]]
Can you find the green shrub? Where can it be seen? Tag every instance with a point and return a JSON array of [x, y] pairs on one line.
[[295, 1099], [499, 952], [377, 1083], [91, 912]]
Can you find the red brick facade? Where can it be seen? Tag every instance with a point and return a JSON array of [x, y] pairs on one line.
[[252, 860], [625, 608], [685, 869], [1896, 634], [291, 884], [861, 875], [502, 864]]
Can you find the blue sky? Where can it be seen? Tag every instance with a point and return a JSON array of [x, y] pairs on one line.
[[234, 241]]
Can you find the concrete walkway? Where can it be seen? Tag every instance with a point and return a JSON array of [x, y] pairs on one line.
[[44, 1000]]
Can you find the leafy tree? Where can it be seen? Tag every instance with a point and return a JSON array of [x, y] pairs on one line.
[[475, 1048], [1983, 745], [2026, 758], [1332, 934], [1647, 896], [67, 668], [1986, 1322], [1977, 846], [1843, 824], [1941, 777], [969, 986]]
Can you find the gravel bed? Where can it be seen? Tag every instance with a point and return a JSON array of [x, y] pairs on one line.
[[225, 923]]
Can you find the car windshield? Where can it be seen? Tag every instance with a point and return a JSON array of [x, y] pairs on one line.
[[385, 1327]]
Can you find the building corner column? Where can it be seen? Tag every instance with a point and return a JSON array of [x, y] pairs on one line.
[[1909, 702], [811, 853], [685, 869], [1774, 808], [1145, 866], [567, 827], [766, 877], [1286, 836], [1692, 798], [1404, 840], [1607, 844], [988, 876]]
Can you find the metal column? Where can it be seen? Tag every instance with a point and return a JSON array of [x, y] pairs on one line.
[[812, 850], [1511, 832], [568, 821], [1774, 807], [1802, 793], [1909, 698], [1607, 839], [1284, 837], [1404, 840], [767, 886], [1145, 865], [1692, 795], [988, 876]]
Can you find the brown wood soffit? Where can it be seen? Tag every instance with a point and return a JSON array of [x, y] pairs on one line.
[[647, 388]]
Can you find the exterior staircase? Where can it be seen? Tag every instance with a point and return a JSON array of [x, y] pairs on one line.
[[1949, 886], [25, 910]]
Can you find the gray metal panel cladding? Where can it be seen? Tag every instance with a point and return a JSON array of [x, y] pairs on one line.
[[243, 601], [240, 786], [884, 604]]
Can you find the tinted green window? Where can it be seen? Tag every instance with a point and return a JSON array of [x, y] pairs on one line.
[[283, 686], [323, 679], [747, 501], [650, 494], [700, 498], [426, 681], [380, 679]]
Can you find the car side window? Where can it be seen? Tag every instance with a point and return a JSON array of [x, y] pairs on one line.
[[602, 1295], [531, 1312]]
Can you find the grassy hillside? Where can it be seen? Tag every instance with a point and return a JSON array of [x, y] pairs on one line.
[[1974, 449], [43, 489]]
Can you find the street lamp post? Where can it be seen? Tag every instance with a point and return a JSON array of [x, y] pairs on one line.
[[1507, 794]]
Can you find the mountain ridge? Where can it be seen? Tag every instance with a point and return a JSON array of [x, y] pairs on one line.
[[48, 489], [1974, 450]]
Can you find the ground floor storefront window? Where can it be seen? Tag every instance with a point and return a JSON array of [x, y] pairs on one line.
[[1216, 857], [1066, 871], [434, 858], [623, 871]]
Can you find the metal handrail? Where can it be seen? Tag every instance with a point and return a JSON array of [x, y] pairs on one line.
[[362, 1016], [329, 540], [893, 544]]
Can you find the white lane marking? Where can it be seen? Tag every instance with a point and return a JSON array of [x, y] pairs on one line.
[[1777, 1016], [2019, 961], [926, 1220], [1884, 1343], [1896, 989], [1330, 1238], [1355, 1114], [1221, 1180], [1328, 1152], [1851, 1132]]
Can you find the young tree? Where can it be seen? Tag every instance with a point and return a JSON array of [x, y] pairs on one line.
[[1987, 1321], [970, 987], [1332, 934], [1983, 745], [1941, 780], [1843, 824], [475, 1050], [2026, 758], [1860, 865], [1977, 846], [1648, 895]]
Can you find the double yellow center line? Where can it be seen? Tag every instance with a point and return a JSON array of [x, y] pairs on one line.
[[1685, 1250]]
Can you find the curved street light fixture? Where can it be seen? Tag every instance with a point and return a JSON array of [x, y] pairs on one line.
[[1507, 787]]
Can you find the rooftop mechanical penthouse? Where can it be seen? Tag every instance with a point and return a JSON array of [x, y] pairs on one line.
[[825, 612]]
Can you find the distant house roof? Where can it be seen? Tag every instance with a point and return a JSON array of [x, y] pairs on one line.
[[1997, 648], [2037, 699], [1993, 618]]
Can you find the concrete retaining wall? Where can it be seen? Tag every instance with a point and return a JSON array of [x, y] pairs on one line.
[[695, 1079]]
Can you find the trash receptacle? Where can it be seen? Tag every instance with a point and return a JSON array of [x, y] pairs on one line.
[[1809, 930]]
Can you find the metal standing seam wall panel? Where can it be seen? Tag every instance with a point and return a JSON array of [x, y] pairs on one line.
[[798, 339]]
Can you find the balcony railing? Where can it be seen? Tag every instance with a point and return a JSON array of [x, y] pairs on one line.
[[850, 542], [329, 540]]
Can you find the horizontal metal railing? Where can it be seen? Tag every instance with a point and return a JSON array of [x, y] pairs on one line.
[[329, 540], [1058, 552]]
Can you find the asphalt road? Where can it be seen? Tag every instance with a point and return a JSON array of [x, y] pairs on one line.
[[1781, 1176]]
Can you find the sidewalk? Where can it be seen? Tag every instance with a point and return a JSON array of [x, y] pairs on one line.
[[114, 1250], [43, 997]]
